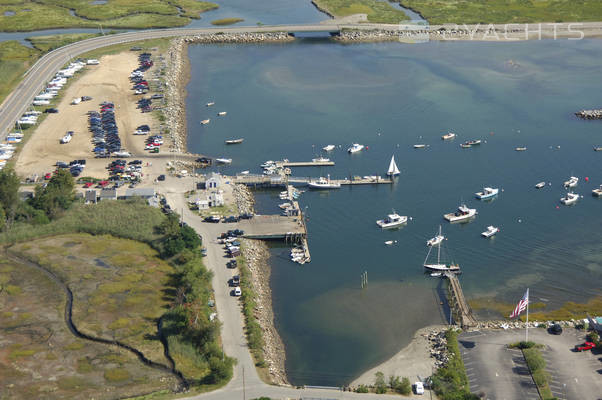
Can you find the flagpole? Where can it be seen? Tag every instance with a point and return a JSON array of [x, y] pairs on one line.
[[527, 325]]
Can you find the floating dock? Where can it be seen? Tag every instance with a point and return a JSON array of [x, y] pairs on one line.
[[289, 164]]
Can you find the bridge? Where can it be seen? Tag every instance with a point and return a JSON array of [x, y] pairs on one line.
[[457, 303]]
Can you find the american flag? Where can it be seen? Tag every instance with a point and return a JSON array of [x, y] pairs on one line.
[[522, 304]]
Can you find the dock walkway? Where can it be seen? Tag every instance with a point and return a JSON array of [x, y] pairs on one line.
[[458, 303], [280, 181]]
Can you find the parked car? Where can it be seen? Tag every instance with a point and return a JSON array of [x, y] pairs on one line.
[[231, 264], [237, 292], [586, 346], [212, 218], [51, 110], [418, 388], [236, 280], [555, 329], [246, 216], [231, 219]]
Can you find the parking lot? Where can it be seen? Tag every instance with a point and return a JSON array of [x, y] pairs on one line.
[[501, 373]]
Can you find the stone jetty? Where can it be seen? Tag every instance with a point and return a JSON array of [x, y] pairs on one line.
[[589, 114], [267, 37]]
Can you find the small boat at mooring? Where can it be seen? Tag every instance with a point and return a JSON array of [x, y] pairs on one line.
[[355, 147], [597, 192], [521, 149], [205, 121], [572, 182], [487, 193], [392, 221], [419, 146], [223, 160], [235, 141], [462, 214], [329, 147], [540, 185], [448, 136], [210, 103], [598, 148], [491, 231], [569, 198], [222, 113], [435, 241]]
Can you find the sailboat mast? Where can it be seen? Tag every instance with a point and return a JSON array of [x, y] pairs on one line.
[[439, 247]]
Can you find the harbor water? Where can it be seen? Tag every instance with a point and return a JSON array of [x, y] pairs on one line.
[[290, 100]]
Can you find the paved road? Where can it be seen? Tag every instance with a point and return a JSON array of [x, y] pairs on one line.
[[501, 373]]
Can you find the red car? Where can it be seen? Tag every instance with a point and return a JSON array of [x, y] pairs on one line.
[[88, 184], [586, 346], [103, 183], [48, 176]]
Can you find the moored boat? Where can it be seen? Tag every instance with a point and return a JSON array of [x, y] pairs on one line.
[[235, 141], [355, 147], [487, 193], [465, 145], [572, 182], [491, 230], [210, 103], [439, 266], [597, 192], [393, 170], [462, 214], [320, 160], [323, 183], [521, 149], [435, 241], [329, 147], [222, 113], [597, 148], [448, 136], [419, 146], [540, 185], [205, 121], [392, 221], [223, 160], [475, 142], [569, 198]]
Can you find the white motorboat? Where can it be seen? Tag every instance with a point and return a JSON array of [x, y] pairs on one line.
[[491, 230], [355, 147], [284, 206], [435, 241], [329, 147], [597, 192], [436, 274], [487, 193], [205, 121], [419, 146], [392, 221], [597, 148], [448, 136], [439, 266], [462, 214], [223, 160], [572, 182], [324, 183], [393, 170], [540, 185], [235, 141], [570, 198], [245, 172], [320, 160], [210, 103], [521, 149], [475, 142], [267, 164], [390, 242], [222, 113]]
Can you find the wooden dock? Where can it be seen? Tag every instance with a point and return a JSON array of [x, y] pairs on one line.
[[289, 164], [282, 181], [274, 227], [458, 304]]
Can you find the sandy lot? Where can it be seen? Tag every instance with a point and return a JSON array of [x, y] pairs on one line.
[[108, 81]]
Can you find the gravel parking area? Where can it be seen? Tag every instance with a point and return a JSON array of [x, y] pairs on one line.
[[501, 373]]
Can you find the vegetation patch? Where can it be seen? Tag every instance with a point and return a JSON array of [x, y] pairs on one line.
[[504, 11], [226, 21], [253, 329], [537, 366], [51, 42], [377, 11], [26, 15], [117, 375], [450, 382]]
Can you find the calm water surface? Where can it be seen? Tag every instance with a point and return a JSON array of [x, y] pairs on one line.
[[288, 101]]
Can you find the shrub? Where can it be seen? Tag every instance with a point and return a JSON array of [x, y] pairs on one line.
[[379, 383], [521, 345], [362, 389], [534, 359]]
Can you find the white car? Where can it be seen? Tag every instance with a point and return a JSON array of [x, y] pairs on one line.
[[238, 292], [418, 388]]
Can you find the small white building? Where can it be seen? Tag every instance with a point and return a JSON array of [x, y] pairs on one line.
[[202, 204], [214, 181], [215, 199]]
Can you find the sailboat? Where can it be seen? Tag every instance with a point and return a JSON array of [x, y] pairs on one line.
[[439, 267], [393, 170]]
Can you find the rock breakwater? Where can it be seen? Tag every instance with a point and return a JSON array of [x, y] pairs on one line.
[[589, 114], [252, 37], [256, 255], [244, 199]]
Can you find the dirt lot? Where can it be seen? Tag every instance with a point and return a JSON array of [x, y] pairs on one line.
[[41, 358], [108, 81]]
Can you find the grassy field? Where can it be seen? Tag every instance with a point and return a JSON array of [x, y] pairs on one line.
[[15, 59], [47, 14], [51, 42], [377, 11], [40, 358], [505, 11], [120, 287], [226, 21]]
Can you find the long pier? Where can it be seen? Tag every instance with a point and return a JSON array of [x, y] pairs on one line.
[[280, 181], [285, 164], [458, 303]]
